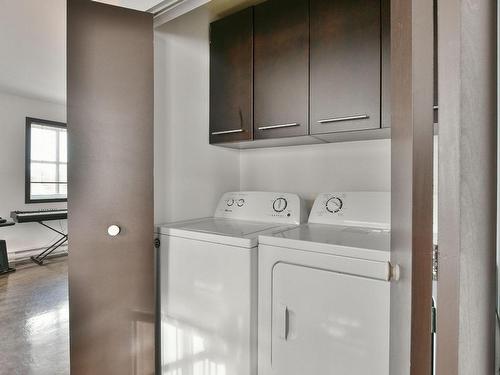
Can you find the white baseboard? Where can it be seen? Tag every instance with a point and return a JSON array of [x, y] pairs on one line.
[[21, 255]]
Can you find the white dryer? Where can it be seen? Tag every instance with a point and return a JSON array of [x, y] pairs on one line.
[[324, 290], [208, 283]]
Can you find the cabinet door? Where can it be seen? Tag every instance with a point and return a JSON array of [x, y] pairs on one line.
[[281, 68], [231, 78], [345, 65]]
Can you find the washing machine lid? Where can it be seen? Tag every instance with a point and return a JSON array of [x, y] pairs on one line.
[[240, 233], [354, 242]]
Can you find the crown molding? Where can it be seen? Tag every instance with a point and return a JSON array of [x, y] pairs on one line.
[[168, 10]]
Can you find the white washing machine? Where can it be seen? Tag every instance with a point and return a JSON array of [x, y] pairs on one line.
[[324, 290], [208, 283]]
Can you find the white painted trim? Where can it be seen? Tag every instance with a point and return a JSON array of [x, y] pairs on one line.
[[22, 255], [162, 5], [171, 9]]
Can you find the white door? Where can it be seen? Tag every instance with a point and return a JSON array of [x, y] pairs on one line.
[[329, 323]]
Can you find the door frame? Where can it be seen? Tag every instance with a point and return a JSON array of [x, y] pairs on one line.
[[411, 184], [467, 186]]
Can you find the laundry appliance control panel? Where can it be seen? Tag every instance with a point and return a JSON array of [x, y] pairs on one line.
[[357, 209], [286, 208]]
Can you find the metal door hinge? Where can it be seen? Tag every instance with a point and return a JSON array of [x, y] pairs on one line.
[[433, 317], [435, 263]]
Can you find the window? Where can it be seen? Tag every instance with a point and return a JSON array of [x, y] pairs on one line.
[[46, 161]]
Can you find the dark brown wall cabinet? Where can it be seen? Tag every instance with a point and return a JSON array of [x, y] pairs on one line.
[[345, 65], [231, 78], [314, 70], [281, 69]]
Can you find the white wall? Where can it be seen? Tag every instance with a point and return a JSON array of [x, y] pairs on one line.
[[190, 175], [309, 170], [13, 112]]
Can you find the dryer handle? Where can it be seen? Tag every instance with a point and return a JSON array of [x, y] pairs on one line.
[[283, 320]]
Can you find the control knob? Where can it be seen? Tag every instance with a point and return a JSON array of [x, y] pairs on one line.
[[279, 204], [334, 205], [230, 202]]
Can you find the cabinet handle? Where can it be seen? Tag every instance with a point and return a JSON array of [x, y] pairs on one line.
[[346, 118], [435, 107], [278, 126], [228, 131]]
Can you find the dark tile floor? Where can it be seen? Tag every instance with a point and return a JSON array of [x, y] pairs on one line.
[[34, 333]]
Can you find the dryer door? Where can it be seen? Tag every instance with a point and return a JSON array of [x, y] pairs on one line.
[[329, 323]]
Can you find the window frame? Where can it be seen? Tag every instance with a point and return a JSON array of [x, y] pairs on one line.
[[27, 183]]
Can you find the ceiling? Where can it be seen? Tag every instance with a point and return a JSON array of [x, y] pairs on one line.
[[33, 42], [132, 4], [33, 48]]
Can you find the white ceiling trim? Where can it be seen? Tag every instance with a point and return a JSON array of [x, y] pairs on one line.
[[168, 10], [162, 5]]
